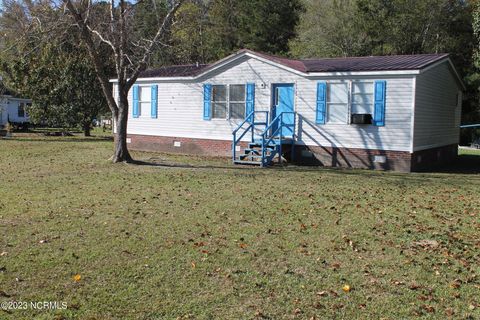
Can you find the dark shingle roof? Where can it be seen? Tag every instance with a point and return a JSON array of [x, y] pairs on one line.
[[371, 63]]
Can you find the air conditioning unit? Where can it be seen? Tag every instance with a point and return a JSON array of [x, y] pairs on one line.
[[361, 118]]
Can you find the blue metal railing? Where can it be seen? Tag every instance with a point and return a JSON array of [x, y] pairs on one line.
[[270, 135], [470, 125], [252, 122]]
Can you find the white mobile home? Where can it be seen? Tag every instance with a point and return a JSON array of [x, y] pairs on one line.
[[389, 112], [13, 110]]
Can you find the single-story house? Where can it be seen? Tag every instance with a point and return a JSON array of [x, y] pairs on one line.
[[387, 112], [13, 109]]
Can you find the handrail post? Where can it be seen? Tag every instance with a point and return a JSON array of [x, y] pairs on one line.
[[252, 121], [292, 151], [234, 145], [280, 142], [263, 149]]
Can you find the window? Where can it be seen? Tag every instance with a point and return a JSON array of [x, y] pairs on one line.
[[219, 102], [145, 98], [237, 101], [362, 97], [228, 102], [21, 110], [337, 102]]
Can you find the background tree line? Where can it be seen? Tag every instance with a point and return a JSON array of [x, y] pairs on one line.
[[56, 72]]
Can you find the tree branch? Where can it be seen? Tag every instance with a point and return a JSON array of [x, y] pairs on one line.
[[142, 64], [86, 36]]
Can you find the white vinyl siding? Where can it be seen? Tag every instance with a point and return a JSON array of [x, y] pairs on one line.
[[182, 108], [437, 109]]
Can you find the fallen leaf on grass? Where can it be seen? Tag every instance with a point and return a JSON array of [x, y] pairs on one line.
[[199, 244], [427, 244], [242, 245], [414, 286], [336, 266], [322, 293], [77, 277], [4, 253], [346, 288], [449, 312], [456, 284], [428, 308]]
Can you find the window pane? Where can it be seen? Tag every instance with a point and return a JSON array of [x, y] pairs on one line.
[[145, 93], [362, 87], [237, 92], [362, 108], [337, 92], [219, 110], [337, 113], [21, 110], [144, 108], [219, 93], [362, 98], [237, 110]]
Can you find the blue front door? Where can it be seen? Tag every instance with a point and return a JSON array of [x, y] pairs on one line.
[[283, 99]]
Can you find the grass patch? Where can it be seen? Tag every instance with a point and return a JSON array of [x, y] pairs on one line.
[[196, 238], [469, 151]]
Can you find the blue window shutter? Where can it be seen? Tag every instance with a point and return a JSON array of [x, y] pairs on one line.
[[250, 99], [379, 104], [154, 101], [135, 110], [321, 103], [207, 101]]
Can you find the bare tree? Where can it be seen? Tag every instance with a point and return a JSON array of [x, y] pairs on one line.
[[131, 56]]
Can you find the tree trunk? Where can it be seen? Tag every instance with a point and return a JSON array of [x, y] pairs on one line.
[[121, 153], [86, 129]]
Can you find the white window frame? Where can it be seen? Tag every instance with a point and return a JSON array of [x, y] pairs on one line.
[[337, 103], [372, 82], [227, 101], [348, 120], [140, 101]]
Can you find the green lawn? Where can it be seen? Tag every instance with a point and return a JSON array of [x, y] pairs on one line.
[[195, 238]]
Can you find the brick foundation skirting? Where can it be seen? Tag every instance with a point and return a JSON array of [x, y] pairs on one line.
[[307, 155], [353, 158], [433, 158], [207, 147]]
